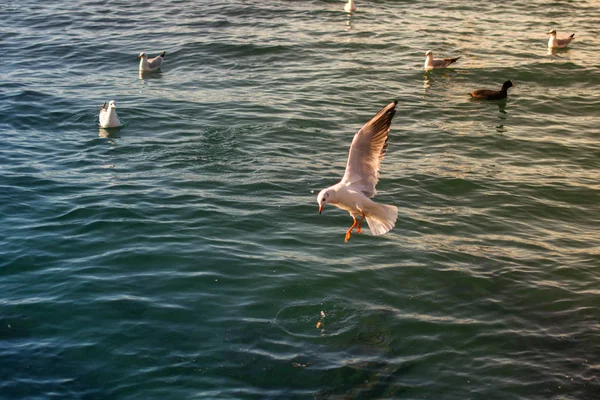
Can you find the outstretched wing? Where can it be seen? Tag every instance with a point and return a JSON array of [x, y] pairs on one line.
[[367, 150]]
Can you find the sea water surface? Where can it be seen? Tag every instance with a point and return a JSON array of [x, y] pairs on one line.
[[183, 257]]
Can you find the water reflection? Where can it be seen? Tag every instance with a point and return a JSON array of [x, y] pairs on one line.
[[553, 51], [443, 75], [427, 82], [108, 133], [502, 108], [146, 76]]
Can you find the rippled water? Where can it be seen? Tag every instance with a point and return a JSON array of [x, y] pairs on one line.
[[183, 256]]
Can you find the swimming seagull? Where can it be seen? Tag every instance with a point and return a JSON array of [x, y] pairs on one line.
[[553, 42], [430, 63], [353, 192], [484, 94], [108, 117], [152, 64], [349, 6]]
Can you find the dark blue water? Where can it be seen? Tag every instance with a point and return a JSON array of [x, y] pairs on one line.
[[183, 257]]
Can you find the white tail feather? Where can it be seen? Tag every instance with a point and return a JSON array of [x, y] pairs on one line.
[[381, 218]]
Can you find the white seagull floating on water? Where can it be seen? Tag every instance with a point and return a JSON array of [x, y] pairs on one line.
[[108, 117], [430, 63], [349, 6], [353, 192], [152, 64], [554, 43]]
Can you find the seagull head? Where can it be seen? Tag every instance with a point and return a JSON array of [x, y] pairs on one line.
[[111, 104], [552, 32], [324, 196], [142, 55], [429, 53]]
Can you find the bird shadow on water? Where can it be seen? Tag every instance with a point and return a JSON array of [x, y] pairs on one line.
[[366, 372], [373, 380], [355, 343]]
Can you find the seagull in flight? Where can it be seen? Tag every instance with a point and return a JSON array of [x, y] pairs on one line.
[[354, 192]]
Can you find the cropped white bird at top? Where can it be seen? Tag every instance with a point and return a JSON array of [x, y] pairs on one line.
[[354, 191], [350, 6], [431, 63], [108, 117], [150, 65], [555, 43]]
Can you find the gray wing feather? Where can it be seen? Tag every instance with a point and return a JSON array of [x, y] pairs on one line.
[[155, 62], [367, 150], [447, 61]]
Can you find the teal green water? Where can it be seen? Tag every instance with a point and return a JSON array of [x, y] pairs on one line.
[[183, 257]]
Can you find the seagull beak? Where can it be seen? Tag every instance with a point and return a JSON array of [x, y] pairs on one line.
[[320, 208]]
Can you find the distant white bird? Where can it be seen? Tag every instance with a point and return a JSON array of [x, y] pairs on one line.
[[349, 6], [430, 63], [152, 64], [353, 192], [108, 117], [554, 42]]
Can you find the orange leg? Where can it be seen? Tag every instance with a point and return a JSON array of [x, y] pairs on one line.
[[350, 230], [360, 222]]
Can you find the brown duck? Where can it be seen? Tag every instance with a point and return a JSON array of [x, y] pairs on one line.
[[484, 94]]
